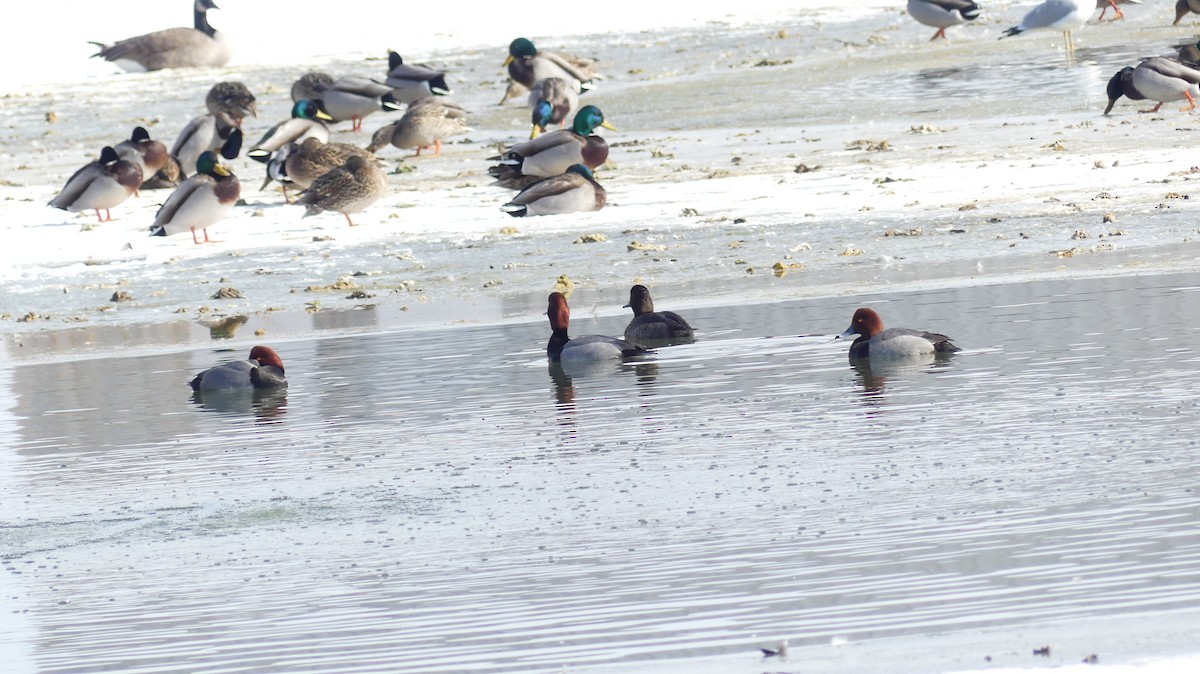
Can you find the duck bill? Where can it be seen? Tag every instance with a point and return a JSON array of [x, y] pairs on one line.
[[220, 170], [608, 126], [323, 116], [1111, 103], [847, 334], [508, 60]]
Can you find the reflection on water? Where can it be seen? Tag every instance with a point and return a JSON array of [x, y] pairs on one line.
[[267, 405], [436, 502]]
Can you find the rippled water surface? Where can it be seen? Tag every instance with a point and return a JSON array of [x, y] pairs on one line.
[[445, 502]]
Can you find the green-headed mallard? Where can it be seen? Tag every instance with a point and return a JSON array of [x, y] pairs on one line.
[[100, 184], [1159, 79], [424, 124], [942, 14], [553, 153], [305, 122], [200, 46], [349, 188], [571, 192], [527, 65], [412, 82], [552, 101], [311, 86], [312, 159], [200, 201], [150, 155], [354, 98]]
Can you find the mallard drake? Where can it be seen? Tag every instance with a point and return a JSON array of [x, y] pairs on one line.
[[875, 342], [1158, 78], [311, 86], [1103, 6], [1064, 15], [942, 14], [412, 82], [264, 369], [561, 348], [553, 153], [424, 124], [200, 201], [312, 159], [552, 101], [232, 102], [203, 134], [171, 48], [527, 65], [350, 188], [354, 98], [654, 328], [150, 155], [103, 183], [571, 192], [305, 122]]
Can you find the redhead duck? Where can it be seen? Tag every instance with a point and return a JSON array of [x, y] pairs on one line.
[[874, 341], [264, 370], [655, 327], [562, 348]]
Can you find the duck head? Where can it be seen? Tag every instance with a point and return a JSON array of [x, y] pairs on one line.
[[1116, 86], [306, 109], [559, 312], [520, 48], [265, 355], [587, 119], [865, 323]]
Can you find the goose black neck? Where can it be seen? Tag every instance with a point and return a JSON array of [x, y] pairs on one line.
[[200, 21]]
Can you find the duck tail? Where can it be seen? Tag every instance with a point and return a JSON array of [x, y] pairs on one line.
[[158, 230], [439, 87], [515, 210], [971, 13]]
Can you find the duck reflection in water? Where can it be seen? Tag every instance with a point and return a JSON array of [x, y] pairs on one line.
[[267, 405]]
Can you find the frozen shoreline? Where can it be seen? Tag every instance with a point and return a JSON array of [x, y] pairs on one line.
[[989, 187]]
